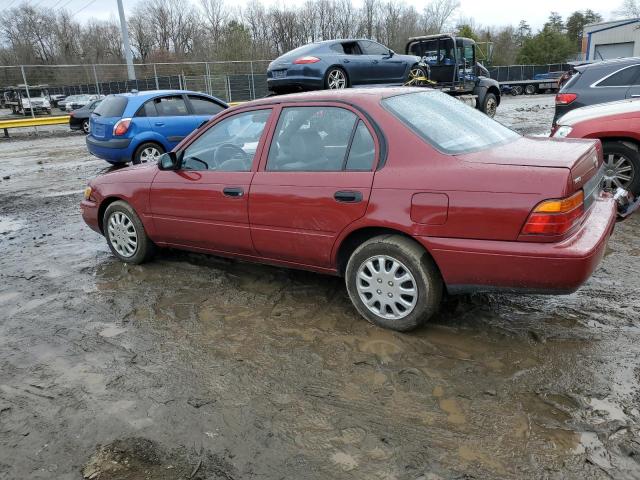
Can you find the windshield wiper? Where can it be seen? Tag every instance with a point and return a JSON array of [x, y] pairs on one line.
[[96, 113]]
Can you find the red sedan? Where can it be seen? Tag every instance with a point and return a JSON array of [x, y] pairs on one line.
[[407, 193], [617, 125]]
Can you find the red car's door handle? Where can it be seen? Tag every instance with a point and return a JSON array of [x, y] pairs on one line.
[[233, 191], [348, 196]]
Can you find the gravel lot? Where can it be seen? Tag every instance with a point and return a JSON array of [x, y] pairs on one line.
[[199, 367]]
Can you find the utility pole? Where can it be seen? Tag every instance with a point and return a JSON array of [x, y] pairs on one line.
[[125, 42]]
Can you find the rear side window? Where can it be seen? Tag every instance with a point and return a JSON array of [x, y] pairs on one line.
[[446, 123], [622, 78], [204, 106], [337, 47], [172, 106], [311, 139], [112, 106]]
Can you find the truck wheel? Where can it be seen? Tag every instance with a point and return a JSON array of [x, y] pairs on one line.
[[393, 282], [621, 167], [530, 89], [490, 105], [517, 90]]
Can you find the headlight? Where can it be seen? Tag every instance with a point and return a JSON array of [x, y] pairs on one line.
[[87, 193], [563, 131]]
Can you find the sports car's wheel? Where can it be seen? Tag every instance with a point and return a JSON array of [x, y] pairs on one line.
[[125, 234], [621, 167], [417, 76], [393, 282], [336, 78]]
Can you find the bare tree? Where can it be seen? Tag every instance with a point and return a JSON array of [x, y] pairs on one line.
[[437, 14], [629, 9]]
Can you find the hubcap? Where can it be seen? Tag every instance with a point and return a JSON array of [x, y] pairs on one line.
[[149, 154], [387, 287], [492, 106], [618, 172], [85, 126], [122, 234], [337, 79]]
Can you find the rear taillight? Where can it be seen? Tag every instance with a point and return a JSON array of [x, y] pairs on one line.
[[555, 217], [306, 59], [565, 98], [121, 127]]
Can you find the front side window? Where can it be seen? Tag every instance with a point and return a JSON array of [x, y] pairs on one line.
[[313, 139], [446, 123], [623, 78], [228, 146], [204, 106], [172, 106]]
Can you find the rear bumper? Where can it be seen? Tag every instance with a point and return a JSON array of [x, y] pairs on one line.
[[90, 214], [562, 267], [300, 77], [114, 150]]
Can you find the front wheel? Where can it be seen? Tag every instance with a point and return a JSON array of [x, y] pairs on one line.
[[85, 126], [490, 105], [621, 167], [125, 234], [417, 76], [336, 79], [393, 282], [147, 153]]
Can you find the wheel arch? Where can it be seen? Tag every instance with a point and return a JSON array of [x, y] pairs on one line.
[[103, 208], [627, 140], [358, 236]]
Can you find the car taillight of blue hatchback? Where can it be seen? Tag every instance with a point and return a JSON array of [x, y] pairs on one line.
[[138, 127]]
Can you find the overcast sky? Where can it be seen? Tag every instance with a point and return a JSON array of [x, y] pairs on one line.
[[485, 12]]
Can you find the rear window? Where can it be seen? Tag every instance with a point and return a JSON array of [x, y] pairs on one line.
[[446, 123], [112, 106]]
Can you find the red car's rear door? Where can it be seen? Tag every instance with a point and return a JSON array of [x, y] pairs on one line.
[[313, 181], [204, 203]]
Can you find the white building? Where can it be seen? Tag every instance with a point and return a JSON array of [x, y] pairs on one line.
[[615, 39]]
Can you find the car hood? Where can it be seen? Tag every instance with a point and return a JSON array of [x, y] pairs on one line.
[[534, 152], [135, 174], [621, 107]]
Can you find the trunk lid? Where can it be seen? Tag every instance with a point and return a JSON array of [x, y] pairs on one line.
[[582, 157]]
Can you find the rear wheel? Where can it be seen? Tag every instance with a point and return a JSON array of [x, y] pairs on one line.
[[125, 234], [147, 153], [530, 89], [393, 282], [621, 167], [336, 79]]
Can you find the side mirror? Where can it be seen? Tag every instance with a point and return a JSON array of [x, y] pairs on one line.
[[391, 53], [168, 161]]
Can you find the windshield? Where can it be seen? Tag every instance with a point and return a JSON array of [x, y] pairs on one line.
[[112, 106], [446, 123]]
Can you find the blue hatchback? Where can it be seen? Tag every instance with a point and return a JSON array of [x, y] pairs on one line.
[[138, 127]]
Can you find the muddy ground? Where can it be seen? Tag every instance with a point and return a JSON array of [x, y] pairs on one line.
[[199, 367]]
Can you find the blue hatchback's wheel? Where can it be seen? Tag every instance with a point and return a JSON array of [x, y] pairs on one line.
[[147, 153]]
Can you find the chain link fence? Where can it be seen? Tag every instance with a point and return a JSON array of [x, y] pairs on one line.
[[512, 73], [230, 81]]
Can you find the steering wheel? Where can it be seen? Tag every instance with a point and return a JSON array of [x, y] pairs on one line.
[[229, 151]]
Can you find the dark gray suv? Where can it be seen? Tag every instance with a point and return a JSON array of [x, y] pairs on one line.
[[600, 82]]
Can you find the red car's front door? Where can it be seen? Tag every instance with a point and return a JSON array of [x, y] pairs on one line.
[[204, 204], [314, 180]]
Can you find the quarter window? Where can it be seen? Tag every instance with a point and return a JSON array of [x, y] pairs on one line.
[[204, 106], [228, 146], [318, 139], [623, 78]]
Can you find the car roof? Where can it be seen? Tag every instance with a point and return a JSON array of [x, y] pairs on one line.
[[348, 95], [606, 64], [152, 93]]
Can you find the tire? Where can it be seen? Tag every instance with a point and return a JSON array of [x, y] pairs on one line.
[[517, 90], [121, 224], [614, 153], [409, 258], [145, 153], [336, 79], [490, 105], [416, 71], [530, 89], [85, 126]]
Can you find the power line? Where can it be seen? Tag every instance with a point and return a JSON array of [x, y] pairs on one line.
[[64, 5], [81, 9]]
